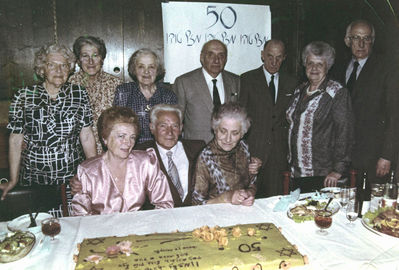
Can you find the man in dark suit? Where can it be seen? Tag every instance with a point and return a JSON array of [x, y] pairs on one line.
[[265, 92], [198, 91], [166, 126], [373, 83]]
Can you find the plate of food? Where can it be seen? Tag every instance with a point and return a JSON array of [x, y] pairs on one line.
[[384, 221], [22, 223], [16, 245], [304, 210]]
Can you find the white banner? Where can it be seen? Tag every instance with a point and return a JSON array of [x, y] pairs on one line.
[[187, 26]]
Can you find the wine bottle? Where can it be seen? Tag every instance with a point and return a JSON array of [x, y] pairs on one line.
[[390, 192], [362, 196]]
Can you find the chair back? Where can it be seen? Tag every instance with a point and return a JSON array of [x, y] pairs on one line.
[[22, 200]]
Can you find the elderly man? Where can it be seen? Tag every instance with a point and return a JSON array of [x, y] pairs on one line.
[[373, 83], [265, 92], [200, 90], [177, 158]]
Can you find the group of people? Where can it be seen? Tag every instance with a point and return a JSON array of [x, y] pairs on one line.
[[215, 137]]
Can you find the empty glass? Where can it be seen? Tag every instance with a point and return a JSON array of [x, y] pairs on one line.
[[352, 211], [344, 196], [377, 191]]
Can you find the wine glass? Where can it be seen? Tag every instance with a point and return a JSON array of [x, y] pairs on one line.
[[323, 220], [352, 211], [344, 196], [51, 227]]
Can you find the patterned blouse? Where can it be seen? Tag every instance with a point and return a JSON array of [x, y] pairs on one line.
[[101, 93], [51, 130], [129, 95], [218, 171], [320, 131]]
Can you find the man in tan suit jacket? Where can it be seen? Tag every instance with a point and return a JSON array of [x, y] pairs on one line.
[[195, 90]]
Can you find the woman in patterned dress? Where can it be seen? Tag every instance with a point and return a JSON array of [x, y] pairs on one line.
[[50, 123], [224, 172], [90, 53], [320, 124], [145, 91]]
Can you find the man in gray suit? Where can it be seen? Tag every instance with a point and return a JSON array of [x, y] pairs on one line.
[[198, 91], [265, 93]]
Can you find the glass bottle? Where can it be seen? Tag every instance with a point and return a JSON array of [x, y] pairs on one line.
[[390, 192]]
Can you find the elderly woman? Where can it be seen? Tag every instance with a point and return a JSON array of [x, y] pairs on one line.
[[321, 124], [49, 124], [120, 179], [145, 91], [90, 53], [224, 172]]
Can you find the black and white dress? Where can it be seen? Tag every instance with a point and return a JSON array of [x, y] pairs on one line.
[[51, 129]]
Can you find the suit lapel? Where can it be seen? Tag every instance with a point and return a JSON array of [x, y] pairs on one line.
[[364, 77], [203, 90], [191, 157]]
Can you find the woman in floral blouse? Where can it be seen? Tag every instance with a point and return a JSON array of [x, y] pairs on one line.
[[90, 53]]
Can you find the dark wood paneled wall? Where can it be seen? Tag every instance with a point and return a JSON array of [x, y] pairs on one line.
[[127, 25]]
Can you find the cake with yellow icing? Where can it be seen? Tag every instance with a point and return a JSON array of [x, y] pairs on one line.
[[240, 247]]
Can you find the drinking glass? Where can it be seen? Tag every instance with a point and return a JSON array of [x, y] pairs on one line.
[[323, 220], [352, 211], [51, 227], [344, 196]]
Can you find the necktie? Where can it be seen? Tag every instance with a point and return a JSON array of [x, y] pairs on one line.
[[352, 79], [216, 98], [272, 89], [174, 175]]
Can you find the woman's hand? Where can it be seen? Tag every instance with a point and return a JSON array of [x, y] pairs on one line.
[[6, 187], [243, 197], [76, 185], [331, 179], [254, 165]]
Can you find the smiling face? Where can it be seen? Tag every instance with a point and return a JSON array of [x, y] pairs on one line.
[[56, 70], [228, 133], [167, 129], [121, 140], [214, 58], [316, 69], [146, 70], [360, 41], [273, 56], [90, 60]]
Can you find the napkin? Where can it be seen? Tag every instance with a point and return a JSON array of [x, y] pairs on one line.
[[285, 201]]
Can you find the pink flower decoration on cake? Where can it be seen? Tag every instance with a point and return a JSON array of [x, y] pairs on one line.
[[112, 250], [125, 247], [94, 258]]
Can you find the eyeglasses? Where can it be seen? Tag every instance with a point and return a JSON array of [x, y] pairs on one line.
[[86, 58], [56, 66], [365, 39]]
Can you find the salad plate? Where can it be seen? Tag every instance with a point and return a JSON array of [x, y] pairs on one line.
[[304, 210]]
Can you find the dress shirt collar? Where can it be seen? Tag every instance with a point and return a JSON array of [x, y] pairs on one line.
[[361, 62], [163, 151], [269, 76], [209, 78]]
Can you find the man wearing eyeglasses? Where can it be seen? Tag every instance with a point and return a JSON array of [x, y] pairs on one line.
[[373, 83]]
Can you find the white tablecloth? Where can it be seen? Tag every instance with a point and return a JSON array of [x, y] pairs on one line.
[[345, 247]]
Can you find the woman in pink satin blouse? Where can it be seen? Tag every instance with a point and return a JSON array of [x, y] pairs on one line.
[[120, 179]]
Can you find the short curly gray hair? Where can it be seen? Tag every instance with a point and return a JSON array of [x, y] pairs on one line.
[[320, 49], [139, 53], [89, 40], [41, 58], [231, 110]]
